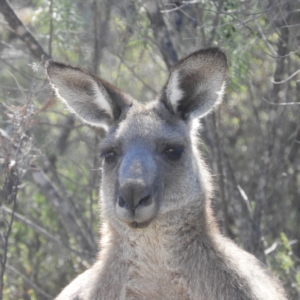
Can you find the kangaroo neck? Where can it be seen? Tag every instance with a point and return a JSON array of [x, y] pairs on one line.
[[193, 221]]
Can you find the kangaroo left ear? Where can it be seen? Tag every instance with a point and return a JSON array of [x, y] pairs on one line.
[[196, 84], [93, 100]]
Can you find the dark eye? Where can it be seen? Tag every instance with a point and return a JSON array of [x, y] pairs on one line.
[[174, 152], [109, 156]]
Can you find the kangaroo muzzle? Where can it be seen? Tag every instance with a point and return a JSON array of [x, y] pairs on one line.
[[136, 203]]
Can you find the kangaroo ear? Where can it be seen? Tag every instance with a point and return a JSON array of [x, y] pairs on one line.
[[92, 99], [196, 84]]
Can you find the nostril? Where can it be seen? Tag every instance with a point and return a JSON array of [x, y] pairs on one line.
[[145, 201], [131, 202], [121, 202]]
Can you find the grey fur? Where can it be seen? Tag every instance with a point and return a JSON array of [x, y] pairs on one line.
[[159, 238]]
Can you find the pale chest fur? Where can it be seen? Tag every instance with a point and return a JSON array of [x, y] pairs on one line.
[[150, 275], [172, 267], [143, 268]]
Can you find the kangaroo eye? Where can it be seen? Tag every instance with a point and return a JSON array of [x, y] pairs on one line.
[[174, 152], [109, 156]]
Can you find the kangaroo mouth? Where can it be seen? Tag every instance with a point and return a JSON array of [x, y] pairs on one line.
[[138, 217], [136, 225]]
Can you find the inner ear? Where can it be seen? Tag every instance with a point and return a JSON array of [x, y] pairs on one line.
[[92, 99], [196, 84]]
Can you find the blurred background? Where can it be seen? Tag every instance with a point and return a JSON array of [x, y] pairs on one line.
[[50, 167]]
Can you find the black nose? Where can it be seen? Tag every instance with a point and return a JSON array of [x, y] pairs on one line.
[[136, 205], [133, 195], [133, 203]]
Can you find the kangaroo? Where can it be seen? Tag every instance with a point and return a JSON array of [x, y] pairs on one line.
[[159, 237]]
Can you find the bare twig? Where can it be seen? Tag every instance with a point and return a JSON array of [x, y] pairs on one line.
[[64, 211], [216, 22], [136, 75], [6, 237], [265, 39], [30, 282], [13, 175], [51, 28], [287, 79], [101, 20], [22, 31], [40, 230], [281, 104], [78, 216], [161, 33]]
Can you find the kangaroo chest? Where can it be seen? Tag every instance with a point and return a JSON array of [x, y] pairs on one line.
[[149, 266], [162, 268], [150, 270], [150, 276]]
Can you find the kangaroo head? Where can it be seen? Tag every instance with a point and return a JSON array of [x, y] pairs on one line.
[[150, 161]]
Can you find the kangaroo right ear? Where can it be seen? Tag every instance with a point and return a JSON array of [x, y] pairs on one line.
[[196, 84], [92, 99]]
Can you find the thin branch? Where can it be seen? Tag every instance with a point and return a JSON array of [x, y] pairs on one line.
[[26, 76], [96, 56], [11, 188], [246, 199], [265, 39], [136, 75], [40, 230], [281, 104], [22, 31], [161, 33], [6, 237], [30, 282], [19, 86], [84, 228], [167, 11], [62, 207], [287, 79], [51, 28], [216, 22]]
